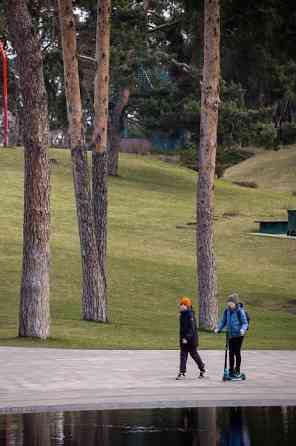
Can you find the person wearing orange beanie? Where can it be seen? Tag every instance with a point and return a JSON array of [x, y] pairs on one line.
[[188, 338], [186, 301]]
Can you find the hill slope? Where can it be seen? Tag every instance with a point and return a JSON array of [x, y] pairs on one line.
[[270, 169], [151, 257]]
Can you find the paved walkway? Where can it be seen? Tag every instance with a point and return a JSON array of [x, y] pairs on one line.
[[53, 380]]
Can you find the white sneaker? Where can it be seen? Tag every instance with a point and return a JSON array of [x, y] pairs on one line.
[[203, 372], [180, 376]]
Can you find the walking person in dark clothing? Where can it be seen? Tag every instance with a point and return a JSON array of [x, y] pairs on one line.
[[235, 320], [188, 338]]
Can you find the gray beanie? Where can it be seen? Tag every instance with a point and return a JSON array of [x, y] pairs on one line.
[[233, 298]]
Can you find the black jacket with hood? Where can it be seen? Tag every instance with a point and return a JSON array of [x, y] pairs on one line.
[[188, 328]]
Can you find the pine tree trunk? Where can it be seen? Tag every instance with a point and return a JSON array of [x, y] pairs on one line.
[[100, 155], [113, 153], [34, 317], [100, 202], [113, 149], [91, 274], [102, 75], [207, 278]]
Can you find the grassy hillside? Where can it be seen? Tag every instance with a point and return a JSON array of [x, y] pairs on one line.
[[269, 169], [151, 257]]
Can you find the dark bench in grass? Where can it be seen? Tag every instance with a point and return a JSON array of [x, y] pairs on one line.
[[287, 227], [273, 226]]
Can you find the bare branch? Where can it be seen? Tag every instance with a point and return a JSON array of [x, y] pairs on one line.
[[188, 69], [87, 58], [163, 26], [185, 67]]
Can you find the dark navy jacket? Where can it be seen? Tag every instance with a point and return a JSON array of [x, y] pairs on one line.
[[188, 328]]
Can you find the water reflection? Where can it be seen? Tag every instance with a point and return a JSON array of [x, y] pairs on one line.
[[174, 427], [236, 431]]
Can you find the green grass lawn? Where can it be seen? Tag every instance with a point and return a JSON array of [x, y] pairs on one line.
[[151, 261], [269, 169]]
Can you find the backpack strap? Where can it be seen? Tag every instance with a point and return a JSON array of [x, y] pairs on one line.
[[239, 315]]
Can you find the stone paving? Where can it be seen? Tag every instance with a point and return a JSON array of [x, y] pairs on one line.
[[54, 379]]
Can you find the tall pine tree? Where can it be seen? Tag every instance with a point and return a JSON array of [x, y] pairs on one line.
[[207, 280], [34, 317]]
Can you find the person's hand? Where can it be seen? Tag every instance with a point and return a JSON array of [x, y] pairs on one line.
[[242, 332], [184, 341], [216, 331]]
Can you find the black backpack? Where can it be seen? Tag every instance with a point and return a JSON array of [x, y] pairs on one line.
[[239, 314]]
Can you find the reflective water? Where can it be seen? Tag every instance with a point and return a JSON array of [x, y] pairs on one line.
[[173, 427]]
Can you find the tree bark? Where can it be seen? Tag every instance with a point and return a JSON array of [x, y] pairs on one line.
[[34, 318], [113, 153], [91, 274], [102, 75], [100, 205], [207, 278], [100, 155]]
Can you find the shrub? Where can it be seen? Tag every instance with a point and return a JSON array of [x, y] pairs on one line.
[[226, 157], [287, 133], [266, 135], [188, 157]]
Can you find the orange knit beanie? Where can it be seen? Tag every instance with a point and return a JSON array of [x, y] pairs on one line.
[[186, 301]]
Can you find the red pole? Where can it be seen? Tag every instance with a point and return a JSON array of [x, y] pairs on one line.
[[5, 94]]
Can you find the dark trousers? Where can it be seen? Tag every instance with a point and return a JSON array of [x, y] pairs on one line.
[[192, 351], [235, 345]]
